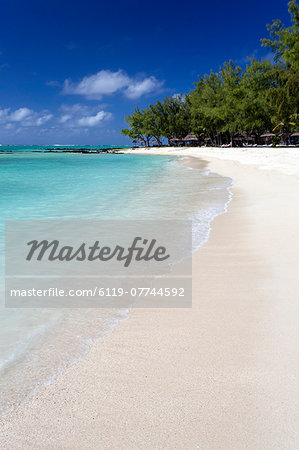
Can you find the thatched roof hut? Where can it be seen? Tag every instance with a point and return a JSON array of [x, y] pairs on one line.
[[174, 139], [135, 143], [190, 137]]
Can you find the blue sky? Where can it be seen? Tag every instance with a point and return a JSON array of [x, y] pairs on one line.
[[71, 70]]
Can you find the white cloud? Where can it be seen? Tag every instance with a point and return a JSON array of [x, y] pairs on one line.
[[77, 119], [92, 121], [20, 114], [43, 119], [78, 108], [80, 115], [138, 88], [4, 114], [65, 118], [24, 117], [95, 86], [106, 82]]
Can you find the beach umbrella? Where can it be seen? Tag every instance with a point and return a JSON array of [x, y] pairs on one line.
[[267, 135], [295, 137], [283, 136]]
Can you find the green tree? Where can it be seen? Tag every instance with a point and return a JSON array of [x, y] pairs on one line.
[[206, 101], [284, 94], [175, 116], [262, 96], [284, 42], [141, 125], [233, 94], [258, 79]]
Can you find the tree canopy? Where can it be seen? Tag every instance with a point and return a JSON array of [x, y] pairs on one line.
[[262, 96]]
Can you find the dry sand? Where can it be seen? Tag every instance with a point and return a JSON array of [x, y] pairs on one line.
[[222, 375]]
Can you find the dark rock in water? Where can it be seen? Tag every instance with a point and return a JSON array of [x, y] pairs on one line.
[[68, 150], [80, 150]]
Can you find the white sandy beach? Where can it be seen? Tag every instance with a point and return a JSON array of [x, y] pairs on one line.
[[222, 375], [284, 160]]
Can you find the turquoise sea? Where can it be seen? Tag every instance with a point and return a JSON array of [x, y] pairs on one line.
[[36, 344]]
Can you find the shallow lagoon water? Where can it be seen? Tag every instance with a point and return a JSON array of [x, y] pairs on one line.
[[36, 344]]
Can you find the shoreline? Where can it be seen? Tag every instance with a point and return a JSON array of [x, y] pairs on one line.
[[283, 160], [186, 378]]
